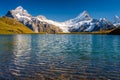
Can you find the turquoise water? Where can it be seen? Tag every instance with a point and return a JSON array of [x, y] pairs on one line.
[[60, 57]]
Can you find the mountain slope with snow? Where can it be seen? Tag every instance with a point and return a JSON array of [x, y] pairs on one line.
[[82, 23], [116, 21], [37, 24]]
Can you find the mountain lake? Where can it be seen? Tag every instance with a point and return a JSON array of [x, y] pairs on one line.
[[59, 57]]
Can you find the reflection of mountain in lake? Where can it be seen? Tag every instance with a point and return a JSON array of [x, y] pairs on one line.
[[21, 44], [60, 57], [21, 51]]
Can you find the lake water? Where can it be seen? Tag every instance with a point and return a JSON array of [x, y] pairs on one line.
[[59, 57]]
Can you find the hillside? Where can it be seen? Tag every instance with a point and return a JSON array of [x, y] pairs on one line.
[[115, 31], [12, 26]]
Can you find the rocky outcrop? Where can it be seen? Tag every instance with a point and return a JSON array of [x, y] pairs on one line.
[[115, 31]]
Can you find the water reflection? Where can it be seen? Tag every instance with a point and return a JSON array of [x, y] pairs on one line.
[[63, 57], [21, 52], [22, 45]]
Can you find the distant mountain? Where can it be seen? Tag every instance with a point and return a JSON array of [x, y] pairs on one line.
[[12, 26], [82, 23], [116, 21], [84, 16], [34, 23]]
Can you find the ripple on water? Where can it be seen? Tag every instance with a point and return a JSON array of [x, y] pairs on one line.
[[60, 57]]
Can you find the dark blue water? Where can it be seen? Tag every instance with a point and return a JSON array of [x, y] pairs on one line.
[[59, 57]]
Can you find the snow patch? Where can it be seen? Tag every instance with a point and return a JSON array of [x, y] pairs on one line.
[[91, 27]]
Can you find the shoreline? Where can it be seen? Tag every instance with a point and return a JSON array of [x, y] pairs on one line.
[[103, 32]]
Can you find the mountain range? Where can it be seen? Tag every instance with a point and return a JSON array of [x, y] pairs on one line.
[[82, 23]]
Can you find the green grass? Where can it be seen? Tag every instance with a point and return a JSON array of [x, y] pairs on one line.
[[12, 26]]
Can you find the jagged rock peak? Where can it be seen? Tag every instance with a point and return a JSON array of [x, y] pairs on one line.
[[19, 8], [117, 16], [41, 17], [116, 19], [84, 15], [103, 19]]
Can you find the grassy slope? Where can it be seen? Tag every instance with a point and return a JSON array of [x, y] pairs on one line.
[[12, 26], [115, 31], [97, 32]]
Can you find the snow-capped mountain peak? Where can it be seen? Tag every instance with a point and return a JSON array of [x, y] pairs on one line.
[[41, 17], [84, 16], [117, 17], [116, 21], [19, 8], [20, 14], [103, 19]]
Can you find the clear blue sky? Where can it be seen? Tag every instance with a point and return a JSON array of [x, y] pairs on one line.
[[62, 10]]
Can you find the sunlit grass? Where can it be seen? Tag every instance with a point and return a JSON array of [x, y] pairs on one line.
[[95, 32], [12, 26]]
